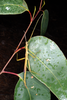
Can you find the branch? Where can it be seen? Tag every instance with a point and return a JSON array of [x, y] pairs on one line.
[[22, 38]]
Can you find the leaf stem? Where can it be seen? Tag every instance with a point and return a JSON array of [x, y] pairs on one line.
[[40, 5], [38, 10], [30, 16], [10, 73], [22, 37]]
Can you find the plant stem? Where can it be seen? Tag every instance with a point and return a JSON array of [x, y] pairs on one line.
[[16, 49], [10, 73], [30, 16], [22, 37], [38, 10], [40, 5]]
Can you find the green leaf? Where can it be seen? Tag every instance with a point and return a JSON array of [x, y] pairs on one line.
[[51, 65], [37, 90], [13, 6], [44, 22]]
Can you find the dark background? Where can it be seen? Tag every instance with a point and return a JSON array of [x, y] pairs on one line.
[[12, 28]]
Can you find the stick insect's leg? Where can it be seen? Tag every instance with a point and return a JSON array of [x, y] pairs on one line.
[[20, 58], [29, 65], [30, 68], [29, 62], [34, 56], [31, 55]]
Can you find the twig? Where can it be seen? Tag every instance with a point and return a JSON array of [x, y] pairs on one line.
[[22, 37], [15, 49]]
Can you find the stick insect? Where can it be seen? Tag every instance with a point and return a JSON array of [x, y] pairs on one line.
[[25, 64], [26, 54], [26, 61]]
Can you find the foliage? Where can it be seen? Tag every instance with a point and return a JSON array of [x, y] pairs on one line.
[[46, 63], [44, 22], [51, 65], [12, 6], [37, 90]]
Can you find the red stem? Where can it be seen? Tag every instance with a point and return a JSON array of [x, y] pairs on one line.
[[40, 5], [38, 10], [30, 16], [16, 49], [19, 49], [10, 73], [22, 38], [8, 62]]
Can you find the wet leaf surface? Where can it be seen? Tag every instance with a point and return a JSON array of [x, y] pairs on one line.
[[13, 7], [37, 90], [11, 31], [50, 63]]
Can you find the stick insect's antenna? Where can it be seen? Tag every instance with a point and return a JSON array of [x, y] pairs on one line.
[[25, 39]]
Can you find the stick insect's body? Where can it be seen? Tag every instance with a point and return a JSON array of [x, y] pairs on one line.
[[26, 61], [25, 65], [26, 54]]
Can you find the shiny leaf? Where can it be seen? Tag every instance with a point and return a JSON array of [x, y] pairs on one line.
[[13, 6], [37, 90], [51, 65]]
